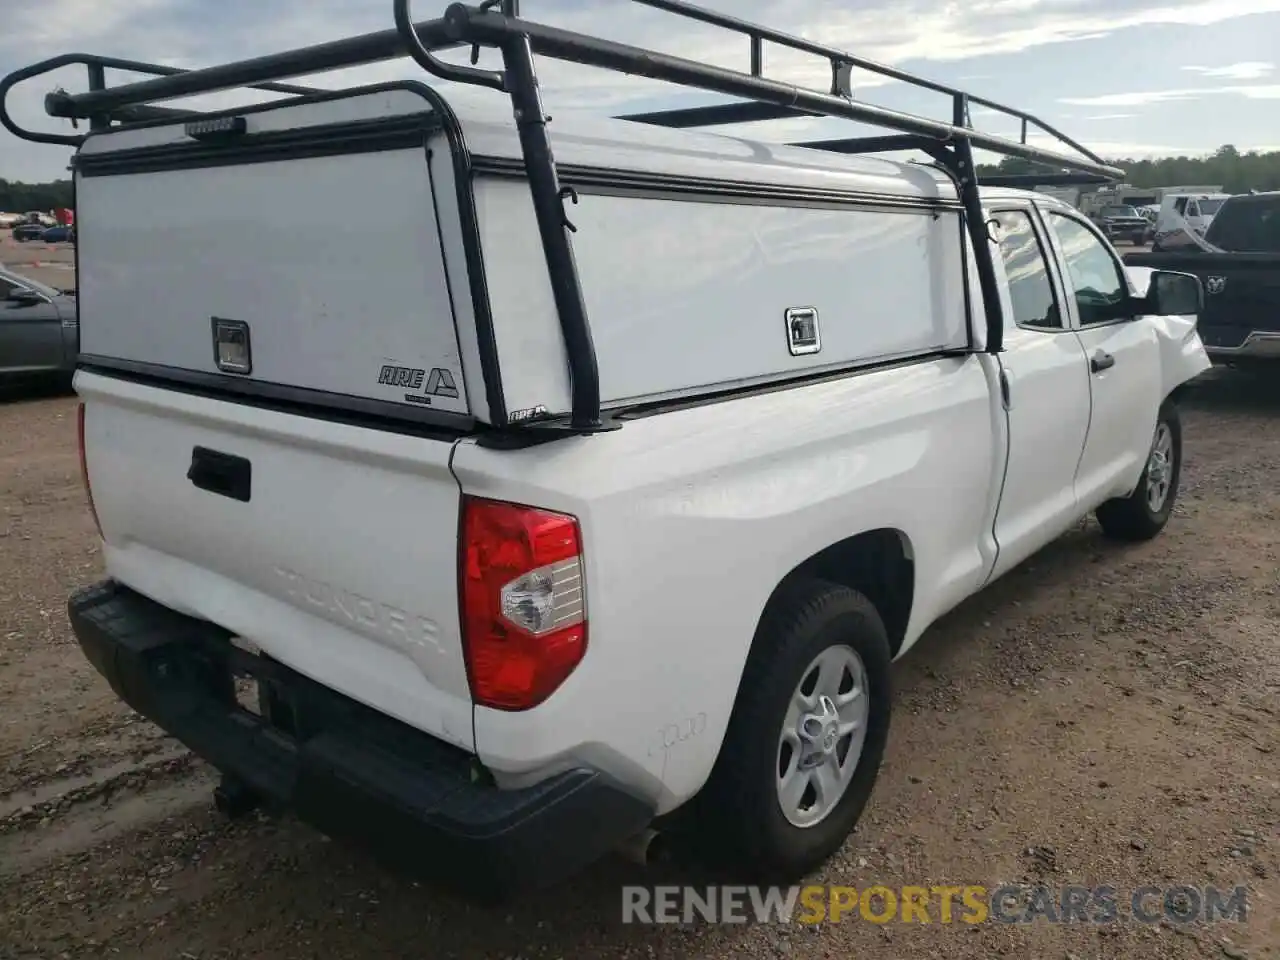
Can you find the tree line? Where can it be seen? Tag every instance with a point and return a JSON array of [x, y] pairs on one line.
[[1237, 172], [18, 197]]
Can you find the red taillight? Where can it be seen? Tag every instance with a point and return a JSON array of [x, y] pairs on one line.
[[84, 467], [524, 616]]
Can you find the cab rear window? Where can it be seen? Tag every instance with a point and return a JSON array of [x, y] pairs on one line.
[[1247, 225]]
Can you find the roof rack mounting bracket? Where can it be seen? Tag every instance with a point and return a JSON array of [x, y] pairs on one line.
[[842, 79], [956, 158], [455, 25], [519, 80]]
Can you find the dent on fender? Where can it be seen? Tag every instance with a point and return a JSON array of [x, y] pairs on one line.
[[1182, 354]]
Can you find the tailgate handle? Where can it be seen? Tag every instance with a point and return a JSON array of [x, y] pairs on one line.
[[221, 473]]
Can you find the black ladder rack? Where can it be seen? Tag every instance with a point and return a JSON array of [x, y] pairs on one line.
[[498, 24]]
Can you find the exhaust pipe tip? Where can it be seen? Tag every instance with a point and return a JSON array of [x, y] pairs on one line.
[[643, 848]]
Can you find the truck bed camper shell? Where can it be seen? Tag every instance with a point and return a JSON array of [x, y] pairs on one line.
[[549, 183]]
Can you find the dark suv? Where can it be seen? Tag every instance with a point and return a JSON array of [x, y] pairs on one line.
[[1123, 223]]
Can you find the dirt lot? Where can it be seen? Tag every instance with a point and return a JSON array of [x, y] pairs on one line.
[[1102, 716], [49, 263]]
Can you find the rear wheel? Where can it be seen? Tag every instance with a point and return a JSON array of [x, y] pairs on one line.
[[807, 734], [1144, 513]]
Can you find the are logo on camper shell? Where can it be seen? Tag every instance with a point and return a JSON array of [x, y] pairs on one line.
[[436, 382]]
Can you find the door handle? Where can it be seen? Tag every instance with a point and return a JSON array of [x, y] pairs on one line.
[[221, 473], [1101, 361]]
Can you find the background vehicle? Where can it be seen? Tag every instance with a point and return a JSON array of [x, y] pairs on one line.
[[59, 234], [1183, 218], [28, 231], [1122, 224], [1149, 214], [558, 543], [1239, 265], [38, 329]]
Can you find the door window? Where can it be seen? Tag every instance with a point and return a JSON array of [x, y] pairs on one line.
[[1193, 209], [1093, 276], [1024, 264]]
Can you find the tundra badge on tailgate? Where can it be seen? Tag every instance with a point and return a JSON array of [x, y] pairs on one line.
[[231, 351]]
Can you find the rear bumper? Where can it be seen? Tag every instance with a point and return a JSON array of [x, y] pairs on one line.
[[349, 771]]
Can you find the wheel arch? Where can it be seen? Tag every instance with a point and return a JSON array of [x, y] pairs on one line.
[[880, 564]]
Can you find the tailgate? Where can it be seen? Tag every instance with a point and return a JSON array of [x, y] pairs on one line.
[[305, 247], [331, 547]]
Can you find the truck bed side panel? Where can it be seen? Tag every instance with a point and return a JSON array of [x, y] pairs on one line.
[[715, 504]]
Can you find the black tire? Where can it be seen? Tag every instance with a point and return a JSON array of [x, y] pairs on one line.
[[1132, 519], [740, 808]]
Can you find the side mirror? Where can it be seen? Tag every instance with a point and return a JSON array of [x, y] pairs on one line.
[[1173, 294], [24, 297]]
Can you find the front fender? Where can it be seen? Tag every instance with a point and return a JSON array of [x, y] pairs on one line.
[[1182, 354]]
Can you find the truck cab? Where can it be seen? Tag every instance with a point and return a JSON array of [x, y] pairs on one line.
[[1077, 364]]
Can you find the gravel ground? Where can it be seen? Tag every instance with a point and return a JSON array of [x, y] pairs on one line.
[[1103, 715], [50, 263]]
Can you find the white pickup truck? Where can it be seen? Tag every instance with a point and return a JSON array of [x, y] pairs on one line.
[[536, 536]]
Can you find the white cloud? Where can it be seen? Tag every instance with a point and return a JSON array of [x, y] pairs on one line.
[[1111, 116], [1247, 70], [1147, 97], [41, 26], [912, 29]]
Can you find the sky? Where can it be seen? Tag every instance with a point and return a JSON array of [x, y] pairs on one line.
[[1127, 78]]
